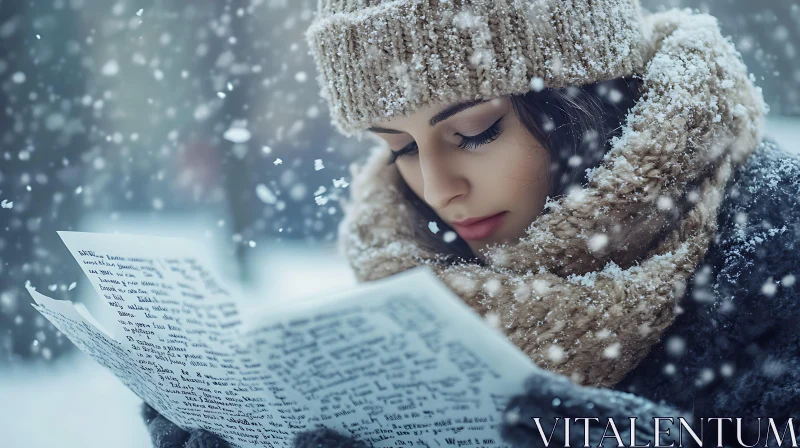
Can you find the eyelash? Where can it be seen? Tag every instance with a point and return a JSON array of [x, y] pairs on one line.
[[467, 143]]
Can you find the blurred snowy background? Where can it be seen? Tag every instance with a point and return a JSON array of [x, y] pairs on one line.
[[198, 119]]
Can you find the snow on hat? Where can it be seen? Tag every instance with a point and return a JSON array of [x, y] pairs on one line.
[[383, 58]]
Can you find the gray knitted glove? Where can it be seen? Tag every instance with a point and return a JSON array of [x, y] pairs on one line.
[[549, 396], [165, 434]]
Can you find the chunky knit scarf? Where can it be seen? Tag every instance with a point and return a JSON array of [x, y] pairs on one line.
[[601, 271]]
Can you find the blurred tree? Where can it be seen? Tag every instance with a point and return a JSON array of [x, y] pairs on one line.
[[47, 139]]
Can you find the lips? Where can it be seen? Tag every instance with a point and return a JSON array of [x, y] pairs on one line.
[[479, 228]]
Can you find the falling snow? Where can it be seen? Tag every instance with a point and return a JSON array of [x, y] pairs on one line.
[[537, 84], [237, 135], [206, 118], [265, 194], [340, 183]]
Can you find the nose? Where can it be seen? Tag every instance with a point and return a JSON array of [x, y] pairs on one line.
[[442, 179]]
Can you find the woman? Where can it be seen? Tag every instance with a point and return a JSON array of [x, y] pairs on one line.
[[640, 236]]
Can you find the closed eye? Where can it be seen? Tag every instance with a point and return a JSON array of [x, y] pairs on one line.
[[468, 143], [484, 138]]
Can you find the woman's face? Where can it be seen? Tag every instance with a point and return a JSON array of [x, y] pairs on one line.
[[472, 160]]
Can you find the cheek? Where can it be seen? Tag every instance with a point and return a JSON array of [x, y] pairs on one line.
[[412, 176], [518, 169], [516, 178]]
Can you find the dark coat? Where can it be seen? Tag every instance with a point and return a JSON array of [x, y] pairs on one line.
[[733, 351], [739, 324]]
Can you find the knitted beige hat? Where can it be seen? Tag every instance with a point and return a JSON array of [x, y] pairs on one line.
[[383, 58]]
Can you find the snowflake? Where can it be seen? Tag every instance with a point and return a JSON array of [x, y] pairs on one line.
[[575, 161], [665, 203], [769, 288], [726, 369], [603, 334], [237, 135], [555, 353], [788, 280], [466, 19], [492, 286], [537, 84], [493, 319], [598, 242], [512, 416], [298, 192], [706, 376], [265, 194], [676, 346], [340, 183], [541, 286], [522, 292], [612, 351], [110, 68]]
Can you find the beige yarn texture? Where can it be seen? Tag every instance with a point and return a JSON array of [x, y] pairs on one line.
[[381, 58], [593, 315]]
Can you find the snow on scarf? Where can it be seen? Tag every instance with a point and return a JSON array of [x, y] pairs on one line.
[[592, 311]]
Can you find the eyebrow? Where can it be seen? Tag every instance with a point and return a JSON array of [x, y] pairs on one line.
[[441, 116]]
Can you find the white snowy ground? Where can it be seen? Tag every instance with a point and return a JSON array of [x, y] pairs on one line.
[[75, 403]]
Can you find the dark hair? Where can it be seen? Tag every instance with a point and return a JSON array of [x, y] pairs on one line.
[[574, 124]]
